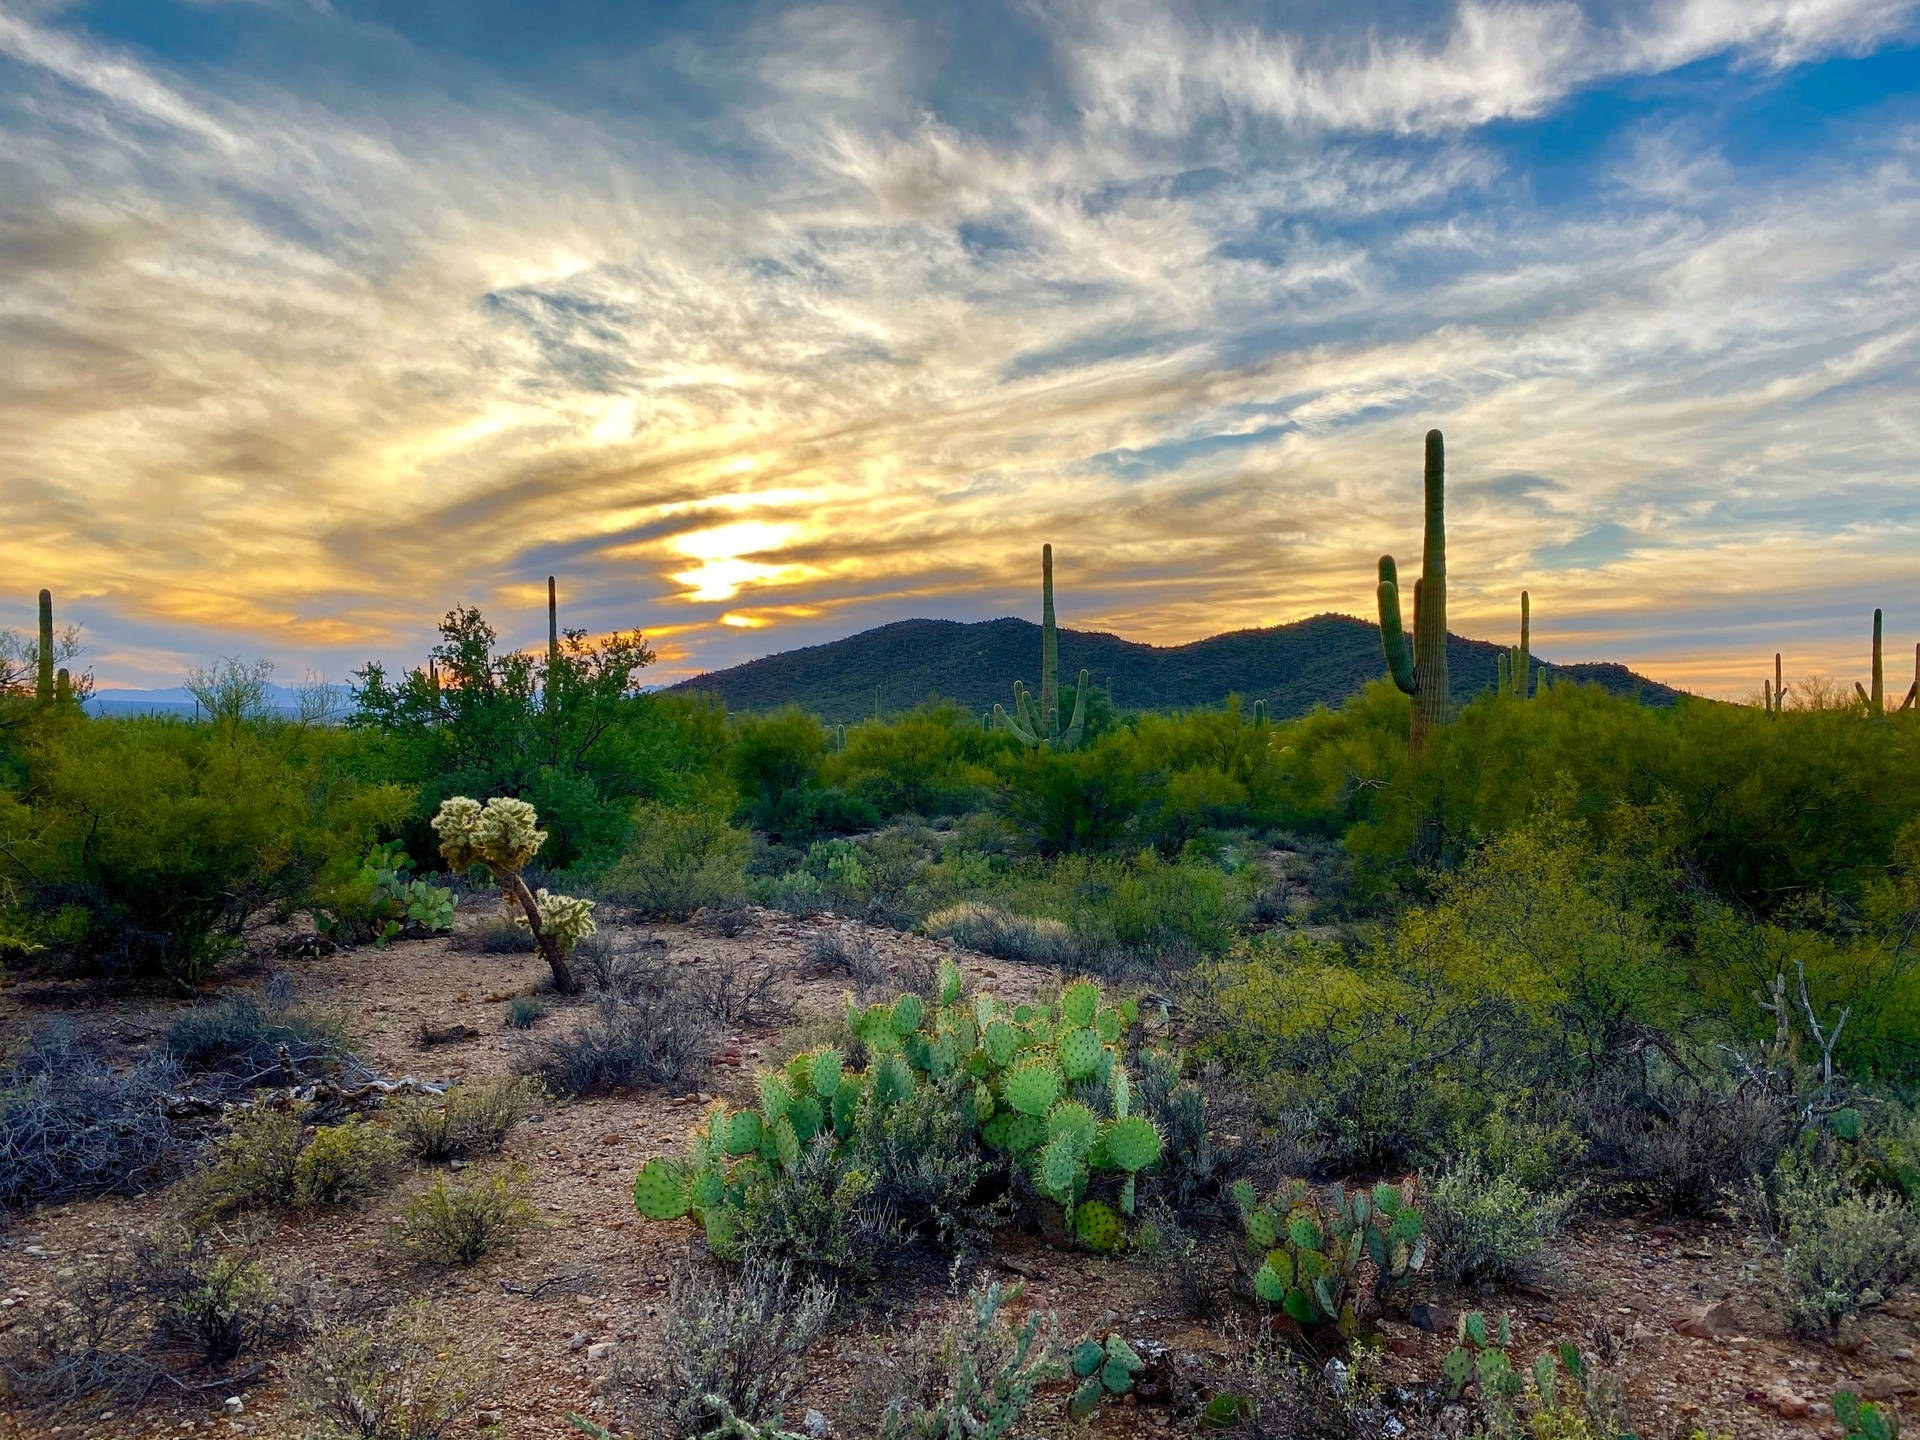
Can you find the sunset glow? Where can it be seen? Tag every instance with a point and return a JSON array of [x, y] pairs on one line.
[[760, 325]]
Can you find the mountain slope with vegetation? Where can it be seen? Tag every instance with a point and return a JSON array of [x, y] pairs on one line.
[[1320, 660]]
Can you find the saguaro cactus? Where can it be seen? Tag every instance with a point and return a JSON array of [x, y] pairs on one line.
[[44, 682], [553, 627], [1040, 725], [1420, 670], [1877, 699]]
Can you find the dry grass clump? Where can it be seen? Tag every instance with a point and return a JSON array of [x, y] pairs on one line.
[[469, 1119]]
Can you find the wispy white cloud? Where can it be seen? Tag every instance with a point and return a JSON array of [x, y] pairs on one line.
[[292, 372]]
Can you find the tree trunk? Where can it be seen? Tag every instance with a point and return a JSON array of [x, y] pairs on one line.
[[511, 882]]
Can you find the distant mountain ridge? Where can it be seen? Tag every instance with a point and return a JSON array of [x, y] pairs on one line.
[[1293, 667], [176, 700]]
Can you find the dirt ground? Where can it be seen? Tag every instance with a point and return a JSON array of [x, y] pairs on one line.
[[597, 1273]]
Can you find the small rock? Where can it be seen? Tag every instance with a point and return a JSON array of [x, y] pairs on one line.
[[234, 1404], [1787, 1404], [599, 1351], [1709, 1322], [815, 1424], [1435, 1318], [579, 1340], [1904, 1356]]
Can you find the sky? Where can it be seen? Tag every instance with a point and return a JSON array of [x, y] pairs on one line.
[[760, 324]]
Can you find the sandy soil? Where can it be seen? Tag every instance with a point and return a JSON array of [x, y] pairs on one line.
[[597, 1273]]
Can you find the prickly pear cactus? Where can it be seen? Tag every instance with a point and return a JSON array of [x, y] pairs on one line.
[[1042, 1084], [660, 1190], [1098, 1227], [1103, 1368], [1330, 1257]]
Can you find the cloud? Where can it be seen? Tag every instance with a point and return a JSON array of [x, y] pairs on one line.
[[797, 347]]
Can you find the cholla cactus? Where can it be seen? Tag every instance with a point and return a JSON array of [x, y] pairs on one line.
[[567, 919], [504, 834]]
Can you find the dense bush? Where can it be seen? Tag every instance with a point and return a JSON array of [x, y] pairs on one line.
[[679, 861], [570, 733], [145, 846], [1839, 1251], [1488, 1227]]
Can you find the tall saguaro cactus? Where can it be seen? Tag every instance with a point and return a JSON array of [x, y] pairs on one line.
[[1515, 668], [1877, 698], [553, 627], [1040, 725], [44, 682], [1420, 669]]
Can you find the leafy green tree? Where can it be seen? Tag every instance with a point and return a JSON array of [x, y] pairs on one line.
[[481, 721]]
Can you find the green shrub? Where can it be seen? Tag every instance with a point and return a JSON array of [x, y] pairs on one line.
[[679, 861], [1487, 1226], [923, 1167], [822, 1215], [1840, 1252], [449, 1224], [222, 1303], [403, 1376], [143, 846], [526, 1011], [255, 1162], [797, 892], [345, 1164], [470, 1119]]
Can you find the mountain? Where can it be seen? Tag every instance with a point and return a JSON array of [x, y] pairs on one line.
[[175, 700], [1292, 667]]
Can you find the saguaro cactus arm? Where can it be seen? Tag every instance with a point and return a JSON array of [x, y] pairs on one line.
[[1393, 639], [1077, 726]]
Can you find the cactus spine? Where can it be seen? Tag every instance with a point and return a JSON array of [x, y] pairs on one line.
[[1420, 670], [44, 682], [1040, 724]]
